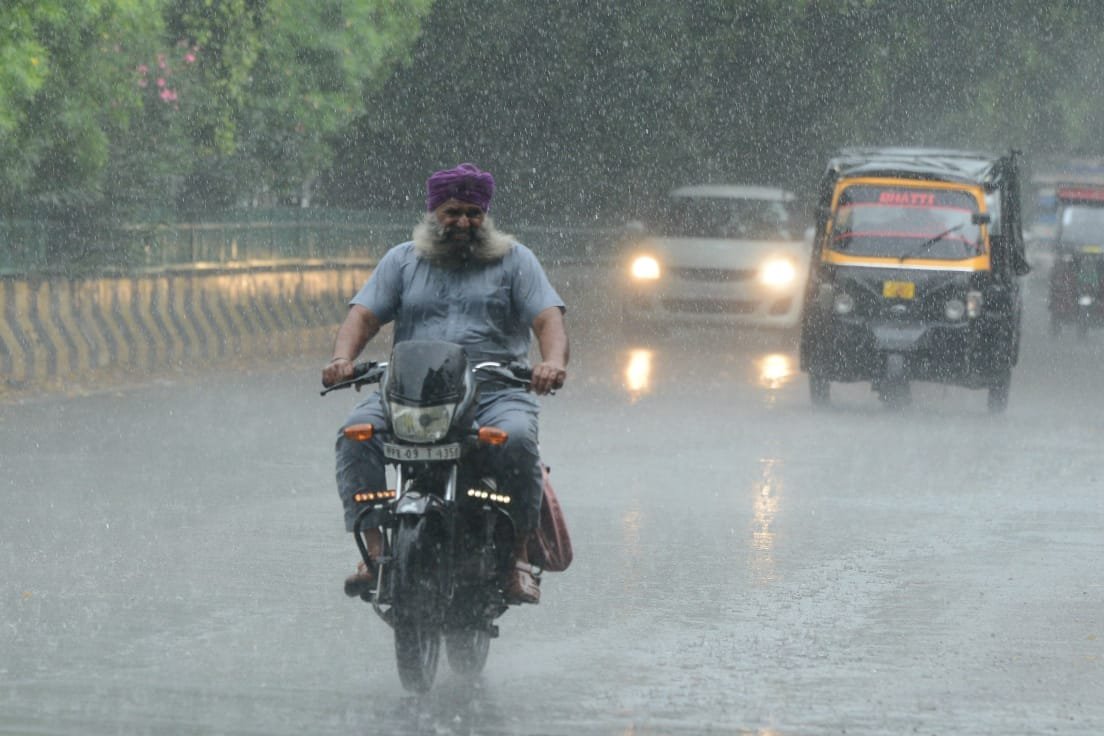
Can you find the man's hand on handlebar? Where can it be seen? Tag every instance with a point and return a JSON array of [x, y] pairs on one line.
[[547, 377], [337, 370]]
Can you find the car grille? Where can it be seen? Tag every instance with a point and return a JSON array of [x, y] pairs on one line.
[[709, 306], [713, 274]]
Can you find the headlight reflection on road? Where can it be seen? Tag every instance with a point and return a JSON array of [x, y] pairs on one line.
[[775, 370], [767, 491], [638, 372]]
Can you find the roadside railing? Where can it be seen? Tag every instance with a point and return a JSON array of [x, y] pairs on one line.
[[250, 236]]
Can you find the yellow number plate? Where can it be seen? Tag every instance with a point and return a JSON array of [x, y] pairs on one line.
[[898, 289]]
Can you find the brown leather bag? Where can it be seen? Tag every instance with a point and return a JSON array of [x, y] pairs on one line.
[[550, 547]]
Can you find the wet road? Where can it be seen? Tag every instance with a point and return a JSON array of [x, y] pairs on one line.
[[172, 556]]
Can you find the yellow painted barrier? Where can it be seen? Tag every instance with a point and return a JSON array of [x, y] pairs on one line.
[[62, 327], [13, 353]]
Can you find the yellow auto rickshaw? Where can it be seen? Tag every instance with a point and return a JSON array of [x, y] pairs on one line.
[[916, 269]]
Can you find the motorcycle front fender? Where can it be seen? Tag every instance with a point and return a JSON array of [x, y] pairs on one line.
[[415, 503]]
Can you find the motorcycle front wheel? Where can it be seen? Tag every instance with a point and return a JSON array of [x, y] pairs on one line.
[[467, 650], [417, 622]]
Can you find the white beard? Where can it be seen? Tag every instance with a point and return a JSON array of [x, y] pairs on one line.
[[489, 244]]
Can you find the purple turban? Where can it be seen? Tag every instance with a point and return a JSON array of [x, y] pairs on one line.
[[466, 182]]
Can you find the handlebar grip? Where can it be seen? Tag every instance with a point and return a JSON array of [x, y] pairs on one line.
[[521, 371]]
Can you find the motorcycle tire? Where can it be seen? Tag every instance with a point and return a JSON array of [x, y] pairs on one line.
[[467, 650], [416, 623]]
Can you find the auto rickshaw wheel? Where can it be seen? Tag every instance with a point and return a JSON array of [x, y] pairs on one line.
[[895, 394], [998, 392], [820, 389]]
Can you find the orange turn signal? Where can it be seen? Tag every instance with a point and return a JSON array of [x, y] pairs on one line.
[[359, 432], [371, 496], [493, 436]]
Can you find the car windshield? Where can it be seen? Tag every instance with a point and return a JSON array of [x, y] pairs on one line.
[[906, 222], [1082, 225], [729, 217]]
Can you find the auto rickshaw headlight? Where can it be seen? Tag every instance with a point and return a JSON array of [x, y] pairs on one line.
[[843, 303], [973, 304], [954, 309]]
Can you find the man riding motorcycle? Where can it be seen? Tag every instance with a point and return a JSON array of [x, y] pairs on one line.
[[459, 279]]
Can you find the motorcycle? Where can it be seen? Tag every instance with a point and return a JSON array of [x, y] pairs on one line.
[[447, 535]]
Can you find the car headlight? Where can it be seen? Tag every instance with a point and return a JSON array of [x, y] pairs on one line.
[[645, 268], [954, 309], [421, 423], [777, 272], [843, 303]]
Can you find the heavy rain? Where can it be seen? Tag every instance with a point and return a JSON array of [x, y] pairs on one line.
[[828, 443]]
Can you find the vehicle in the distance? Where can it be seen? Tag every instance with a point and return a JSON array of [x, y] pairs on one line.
[[917, 259], [1076, 285], [720, 255]]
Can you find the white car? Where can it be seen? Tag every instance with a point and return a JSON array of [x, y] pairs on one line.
[[722, 255]]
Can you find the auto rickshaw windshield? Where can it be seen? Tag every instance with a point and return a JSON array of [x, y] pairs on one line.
[[890, 222], [1082, 225]]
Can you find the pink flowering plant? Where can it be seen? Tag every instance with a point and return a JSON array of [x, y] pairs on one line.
[[169, 73], [151, 158]]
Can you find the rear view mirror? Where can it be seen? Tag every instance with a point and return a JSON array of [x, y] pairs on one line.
[[981, 218]]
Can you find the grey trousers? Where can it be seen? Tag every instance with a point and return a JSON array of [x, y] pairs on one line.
[[515, 465]]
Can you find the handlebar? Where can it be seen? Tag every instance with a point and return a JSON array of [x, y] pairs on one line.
[[363, 374], [515, 373], [372, 371]]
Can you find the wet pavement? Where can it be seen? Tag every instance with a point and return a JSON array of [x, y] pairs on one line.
[[172, 554]]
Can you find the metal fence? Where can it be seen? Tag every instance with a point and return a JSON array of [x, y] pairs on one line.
[[245, 236]]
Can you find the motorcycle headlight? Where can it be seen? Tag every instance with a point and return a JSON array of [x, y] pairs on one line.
[[843, 303], [777, 272], [421, 423], [954, 309], [644, 268], [1084, 300]]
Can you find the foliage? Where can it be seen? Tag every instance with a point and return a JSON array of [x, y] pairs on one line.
[[592, 108], [584, 109], [65, 96], [112, 106]]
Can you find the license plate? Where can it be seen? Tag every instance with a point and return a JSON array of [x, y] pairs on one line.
[[1092, 249], [419, 453], [898, 289]]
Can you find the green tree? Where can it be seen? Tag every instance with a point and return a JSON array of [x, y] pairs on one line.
[[64, 71], [110, 107], [279, 79], [592, 107]]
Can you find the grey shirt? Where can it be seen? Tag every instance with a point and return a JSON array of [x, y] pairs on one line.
[[488, 308]]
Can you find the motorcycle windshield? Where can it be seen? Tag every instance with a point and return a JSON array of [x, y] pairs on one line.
[[895, 221], [427, 372]]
